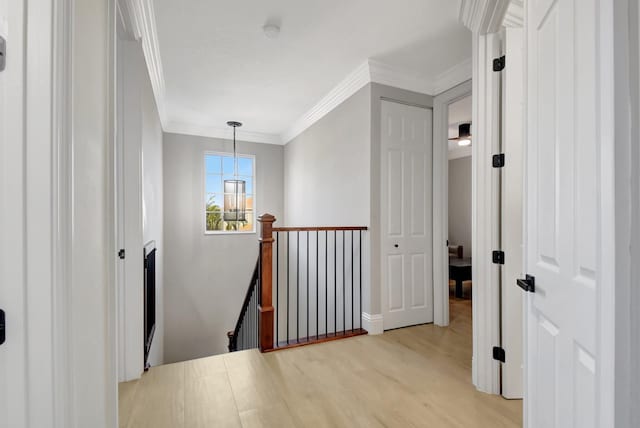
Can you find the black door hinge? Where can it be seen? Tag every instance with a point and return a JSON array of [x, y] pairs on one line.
[[498, 354], [498, 160], [498, 257], [499, 63], [121, 254], [3, 334]]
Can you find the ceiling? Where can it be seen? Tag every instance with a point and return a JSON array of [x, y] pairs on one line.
[[459, 112], [217, 64]]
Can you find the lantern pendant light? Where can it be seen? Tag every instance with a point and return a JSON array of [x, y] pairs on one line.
[[235, 197]]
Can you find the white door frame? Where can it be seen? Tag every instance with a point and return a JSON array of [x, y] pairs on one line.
[[441, 199], [63, 249], [128, 203], [627, 128], [484, 17], [424, 314]]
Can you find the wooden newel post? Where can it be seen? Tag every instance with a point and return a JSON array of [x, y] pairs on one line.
[[266, 282]]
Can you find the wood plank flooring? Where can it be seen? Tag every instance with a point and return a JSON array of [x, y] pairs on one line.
[[411, 377]]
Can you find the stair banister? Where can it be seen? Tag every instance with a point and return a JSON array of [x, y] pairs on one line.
[[265, 307]]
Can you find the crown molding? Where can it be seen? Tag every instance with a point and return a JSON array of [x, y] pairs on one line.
[[514, 18], [343, 90], [377, 72], [151, 51], [128, 12], [452, 77], [138, 18], [222, 133], [483, 16], [392, 76]]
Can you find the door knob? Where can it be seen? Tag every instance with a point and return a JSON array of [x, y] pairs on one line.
[[527, 284]]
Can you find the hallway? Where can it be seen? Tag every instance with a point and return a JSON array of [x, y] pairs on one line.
[[413, 377]]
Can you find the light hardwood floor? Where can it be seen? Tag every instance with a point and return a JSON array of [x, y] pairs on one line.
[[412, 377]]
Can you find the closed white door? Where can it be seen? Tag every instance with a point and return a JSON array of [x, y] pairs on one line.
[[567, 219], [406, 194]]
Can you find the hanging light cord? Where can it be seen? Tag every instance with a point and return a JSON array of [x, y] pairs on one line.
[[235, 156]]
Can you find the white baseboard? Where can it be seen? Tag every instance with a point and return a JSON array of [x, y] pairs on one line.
[[372, 323]]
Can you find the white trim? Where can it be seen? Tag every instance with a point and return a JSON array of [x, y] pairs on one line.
[[441, 199], [514, 17], [342, 91], [62, 192], [452, 77], [222, 133], [607, 281], [127, 11], [373, 323], [376, 72], [139, 20], [204, 194], [485, 208], [392, 76], [483, 16], [627, 212]]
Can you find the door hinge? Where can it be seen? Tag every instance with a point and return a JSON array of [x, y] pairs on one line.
[[498, 160], [498, 354], [499, 63], [3, 334], [527, 284], [121, 254], [3, 53], [498, 257]]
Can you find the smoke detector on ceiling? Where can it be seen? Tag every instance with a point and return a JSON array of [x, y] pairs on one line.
[[271, 30]]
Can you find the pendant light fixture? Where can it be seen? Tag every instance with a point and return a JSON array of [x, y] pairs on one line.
[[235, 196], [464, 134]]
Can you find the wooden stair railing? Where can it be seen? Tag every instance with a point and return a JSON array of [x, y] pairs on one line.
[[340, 294]]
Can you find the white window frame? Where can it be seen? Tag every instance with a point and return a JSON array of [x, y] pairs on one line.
[[203, 193]]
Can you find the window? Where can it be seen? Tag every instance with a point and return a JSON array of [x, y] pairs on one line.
[[218, 167]]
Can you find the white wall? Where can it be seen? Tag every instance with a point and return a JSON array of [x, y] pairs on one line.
[[206, 276], [152, 205], [327, 179], [460, 203]]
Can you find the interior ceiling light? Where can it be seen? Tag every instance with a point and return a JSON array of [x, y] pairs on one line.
[[271, 30], [235, 195], [464, 134]]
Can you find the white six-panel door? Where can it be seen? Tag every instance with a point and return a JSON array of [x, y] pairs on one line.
[[565, 224], [406, 192]]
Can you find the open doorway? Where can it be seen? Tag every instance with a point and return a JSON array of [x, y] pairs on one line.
[[459, 216]]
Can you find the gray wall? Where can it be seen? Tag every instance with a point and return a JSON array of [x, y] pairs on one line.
[[152, 204], [206, 276], [327, 168], [460, 203]]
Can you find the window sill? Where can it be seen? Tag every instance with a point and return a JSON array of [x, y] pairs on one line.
[[225, 232]]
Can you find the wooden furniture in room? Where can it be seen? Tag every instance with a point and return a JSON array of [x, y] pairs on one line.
[[459, 271]]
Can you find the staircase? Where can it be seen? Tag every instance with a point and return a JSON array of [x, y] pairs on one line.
[[306, 288]]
